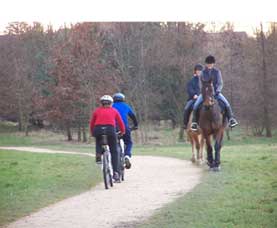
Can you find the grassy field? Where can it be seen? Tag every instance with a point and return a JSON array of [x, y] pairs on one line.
[[243, 194], [30, 181]]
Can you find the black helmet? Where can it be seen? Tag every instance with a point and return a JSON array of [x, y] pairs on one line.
[[198, 67], [210, 59]]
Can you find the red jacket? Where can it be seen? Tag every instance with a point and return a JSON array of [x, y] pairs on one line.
[[106, 116]]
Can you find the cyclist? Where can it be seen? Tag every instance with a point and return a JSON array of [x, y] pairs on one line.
[[210, 72], [193, 90], [103, 121], [126, 111]]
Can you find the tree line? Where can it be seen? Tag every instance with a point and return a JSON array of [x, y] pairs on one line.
[[58, 76]]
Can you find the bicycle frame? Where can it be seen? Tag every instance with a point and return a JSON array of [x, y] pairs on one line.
[[106, 164], [121, 149]]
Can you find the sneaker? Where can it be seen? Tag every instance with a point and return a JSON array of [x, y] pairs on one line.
[[98, 158], [116, 177], [127, 162], [233, 122], [194, 126]]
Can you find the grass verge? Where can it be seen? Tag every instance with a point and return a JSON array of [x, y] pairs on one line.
[[30, 181], [243, 194]]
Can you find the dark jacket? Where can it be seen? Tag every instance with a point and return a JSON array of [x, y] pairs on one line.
[[193, 87], [215, 75]]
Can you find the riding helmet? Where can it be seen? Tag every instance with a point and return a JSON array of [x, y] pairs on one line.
[[198, 67], [210, 59]]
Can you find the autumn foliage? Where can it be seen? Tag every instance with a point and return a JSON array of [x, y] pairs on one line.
[[58, 76]]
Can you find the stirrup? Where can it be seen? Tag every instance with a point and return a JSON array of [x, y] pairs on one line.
[[194, 126], [233, 122]]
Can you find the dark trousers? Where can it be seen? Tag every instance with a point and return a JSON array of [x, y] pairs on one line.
[[128, 142], [187, 110], [108, 130]]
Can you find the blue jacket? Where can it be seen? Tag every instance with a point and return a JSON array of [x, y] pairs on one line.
[[215, 75], [125, 111], [193, 87]]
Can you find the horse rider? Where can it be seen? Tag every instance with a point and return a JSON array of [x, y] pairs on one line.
[[210, 72], [193, 90]]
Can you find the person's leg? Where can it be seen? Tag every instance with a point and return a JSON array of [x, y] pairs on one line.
[[128, 142], [128, 148], [112, 138], [187, 111], [229, 113], [98, 148], [194, 124]]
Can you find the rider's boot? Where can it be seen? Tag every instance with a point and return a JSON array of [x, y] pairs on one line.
[[232, 121], [127, 160], [194, 124], [186, 117], [98, 158], [116, 177]]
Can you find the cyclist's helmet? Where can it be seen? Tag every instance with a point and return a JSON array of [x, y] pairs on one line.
[[118, 97], [198, 67], [106, 100], [210, 59]]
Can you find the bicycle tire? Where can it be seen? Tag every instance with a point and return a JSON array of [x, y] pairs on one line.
[[121, 163], [108, 182]]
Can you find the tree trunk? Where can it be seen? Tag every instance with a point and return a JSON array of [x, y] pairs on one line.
[[26, 128], [267, 121], [79, 134], [85, 139], [181, 134], [228, 133], [68, 132]]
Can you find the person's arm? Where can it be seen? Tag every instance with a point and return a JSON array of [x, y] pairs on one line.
[[120, 122], [133, 117], [190, 89], [219, 84], [92, 122]]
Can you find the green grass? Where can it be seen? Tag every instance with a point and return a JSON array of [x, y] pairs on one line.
[[30, 181], [243, 194]]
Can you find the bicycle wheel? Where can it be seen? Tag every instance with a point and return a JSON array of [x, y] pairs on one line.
[[121, 162], [107, 171], [122, 167]]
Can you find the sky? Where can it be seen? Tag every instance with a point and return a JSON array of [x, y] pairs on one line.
[[245, 14]]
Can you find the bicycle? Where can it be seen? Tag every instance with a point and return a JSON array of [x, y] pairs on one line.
[[121, 148], [106, 164]]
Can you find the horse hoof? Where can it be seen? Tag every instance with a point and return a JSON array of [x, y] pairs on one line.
[[193, 160], [217, 168], [199, 162]]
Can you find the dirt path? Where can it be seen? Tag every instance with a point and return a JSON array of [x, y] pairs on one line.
[[150, 184]]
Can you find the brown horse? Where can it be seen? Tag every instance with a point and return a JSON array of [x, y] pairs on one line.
[[212, 123], [197, 143]]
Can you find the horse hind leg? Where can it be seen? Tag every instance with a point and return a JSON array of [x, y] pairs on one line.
[[198, 149], [192, 141], [201, 149], [193, 157]]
